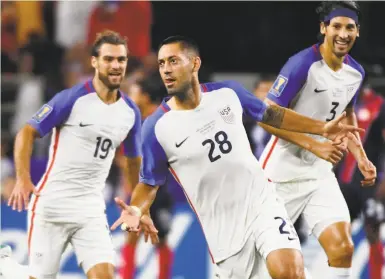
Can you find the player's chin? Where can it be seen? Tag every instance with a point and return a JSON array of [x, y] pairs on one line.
[[340, 51]]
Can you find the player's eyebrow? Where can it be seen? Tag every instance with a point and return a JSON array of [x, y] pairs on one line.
[[109, 57], [167, 58]]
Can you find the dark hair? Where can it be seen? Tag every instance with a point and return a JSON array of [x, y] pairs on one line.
[[153, 87], [185, 42], [264, 78], [326, 7], [107, 37]]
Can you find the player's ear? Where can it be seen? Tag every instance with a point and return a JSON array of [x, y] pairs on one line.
[[197, 64], [322, 28], [93, 62]]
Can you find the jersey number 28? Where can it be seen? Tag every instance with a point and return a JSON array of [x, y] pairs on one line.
[[102, 147], [223, 143]]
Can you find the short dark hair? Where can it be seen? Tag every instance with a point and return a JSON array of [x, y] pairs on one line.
[[153, 87], [265, 77], [185, 42], [107, 37], [326, 7]]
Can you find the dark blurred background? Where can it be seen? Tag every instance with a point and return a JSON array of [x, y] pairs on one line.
[[45, 48]]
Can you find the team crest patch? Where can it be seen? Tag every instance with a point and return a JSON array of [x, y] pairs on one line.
[[278, 86], [42, 113], [227, 114]]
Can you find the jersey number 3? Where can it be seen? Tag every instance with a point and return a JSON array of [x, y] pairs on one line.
[[102, 147], [333, 111], [223, 143]]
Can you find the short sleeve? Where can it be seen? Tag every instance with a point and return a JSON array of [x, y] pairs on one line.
[[361, 70], [252, 106], [292, 77], [132, 143], [154, 167], [54, 113]]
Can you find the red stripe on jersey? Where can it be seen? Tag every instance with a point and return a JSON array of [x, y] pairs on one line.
[[315, 48], [191, 205], [88, 86], [269, 153], [45, 178], [164, 108], [204, 87]]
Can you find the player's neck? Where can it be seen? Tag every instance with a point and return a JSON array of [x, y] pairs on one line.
[[189, 100], [334, 62], [105, 94]]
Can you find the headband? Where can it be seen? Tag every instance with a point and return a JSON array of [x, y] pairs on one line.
[[342, 12]]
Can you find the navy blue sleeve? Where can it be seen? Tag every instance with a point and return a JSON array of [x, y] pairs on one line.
[[291, 78], [252, 106], [133, 141], [154, 167], [54, 113]]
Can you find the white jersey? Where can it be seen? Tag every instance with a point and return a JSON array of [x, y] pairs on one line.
[[208, 152], [307, 85], [86, 133]]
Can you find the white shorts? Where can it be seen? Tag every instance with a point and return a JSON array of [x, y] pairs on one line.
[[273, 230], [90, 239], [320, 202]]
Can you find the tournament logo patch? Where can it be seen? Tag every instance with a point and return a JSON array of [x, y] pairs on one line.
[[227, 114], [42, 113], [278, 86]]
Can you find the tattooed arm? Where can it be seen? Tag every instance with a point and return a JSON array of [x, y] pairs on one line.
[[289, 120]]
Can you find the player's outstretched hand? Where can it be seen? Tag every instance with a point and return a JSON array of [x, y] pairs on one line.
[[369, 172], [328, 151], [19, 198], [129, 218], [334, 128], [148, 229]]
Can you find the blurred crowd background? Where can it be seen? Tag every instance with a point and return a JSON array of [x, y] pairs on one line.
[[45, 48]]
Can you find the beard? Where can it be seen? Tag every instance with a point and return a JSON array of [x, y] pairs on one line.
[[181, 93], [105, 80]]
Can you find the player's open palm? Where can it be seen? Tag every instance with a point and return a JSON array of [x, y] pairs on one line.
[[369, 172], [148, 229], [335, 128], [129, 218], [20, 195]]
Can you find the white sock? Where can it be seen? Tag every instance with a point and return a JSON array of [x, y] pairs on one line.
[[10, 269], [340, 272]]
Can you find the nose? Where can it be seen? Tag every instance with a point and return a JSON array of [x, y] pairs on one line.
[[167, 68], [115, 64], [343, 34]]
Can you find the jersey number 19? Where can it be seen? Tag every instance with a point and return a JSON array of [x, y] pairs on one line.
[[102, 147]]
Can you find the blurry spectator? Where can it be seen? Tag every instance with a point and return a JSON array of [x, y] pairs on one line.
[[8, 37], [258, 137], [132, 19], [7, 171], [29, 20], [72, 22]]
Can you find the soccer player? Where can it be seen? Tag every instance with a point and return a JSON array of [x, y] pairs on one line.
[[197, 133], [89, 121], [370, 116], [320, 82], [147, 94]]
